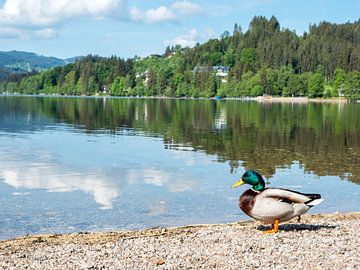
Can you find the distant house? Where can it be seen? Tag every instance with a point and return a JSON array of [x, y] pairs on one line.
[[222, 72], [156, 56], [105, 89], [170, 54], [341, 91], [144, 76], [198, 69], [219, 71]]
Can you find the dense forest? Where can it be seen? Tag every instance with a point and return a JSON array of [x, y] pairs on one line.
[[264, 60]]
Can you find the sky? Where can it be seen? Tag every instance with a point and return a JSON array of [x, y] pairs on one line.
[[125, 28]]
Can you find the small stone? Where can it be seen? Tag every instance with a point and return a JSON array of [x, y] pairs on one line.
[[160, 262]]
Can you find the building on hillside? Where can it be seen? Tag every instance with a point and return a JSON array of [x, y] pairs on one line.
[[170, 54], [198, 69], [220, 71], [144, 76], [156, 56], [105, 89]]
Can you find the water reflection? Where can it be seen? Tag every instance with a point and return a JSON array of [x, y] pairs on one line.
[[160, 179], [69, 164], [325, 138], [42, 171]]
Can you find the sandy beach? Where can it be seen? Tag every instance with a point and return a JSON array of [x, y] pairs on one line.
[[323, 241]]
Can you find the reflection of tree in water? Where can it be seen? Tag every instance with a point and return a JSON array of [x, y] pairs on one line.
[[324, 138]]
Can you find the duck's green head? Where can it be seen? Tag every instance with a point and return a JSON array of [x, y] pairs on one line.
[[252, 178]]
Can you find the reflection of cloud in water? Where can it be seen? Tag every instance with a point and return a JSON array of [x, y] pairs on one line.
[[56, 178], [161, 179], [184, 152], [157, 208], [155, 177]]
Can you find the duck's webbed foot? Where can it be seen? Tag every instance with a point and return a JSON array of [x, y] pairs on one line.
[[274, 227]]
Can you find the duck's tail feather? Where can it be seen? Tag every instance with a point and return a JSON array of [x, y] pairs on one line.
[[314, 202], [313, 196]]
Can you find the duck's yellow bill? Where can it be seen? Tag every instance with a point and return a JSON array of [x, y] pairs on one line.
[[238, 183]]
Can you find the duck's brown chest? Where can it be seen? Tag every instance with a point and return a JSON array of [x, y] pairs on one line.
[[247, 201]]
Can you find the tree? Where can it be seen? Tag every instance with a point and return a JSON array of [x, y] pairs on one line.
[[151, 82], [117, 88], [264, 59], [225, 35], [295, 86], [316, 85], [352, 87], [338, 82]]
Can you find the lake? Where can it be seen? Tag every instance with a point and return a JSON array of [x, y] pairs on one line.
[[70, 164]]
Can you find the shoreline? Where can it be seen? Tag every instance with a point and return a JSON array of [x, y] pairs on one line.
[[260, 99], [300, 99], [320, 241]]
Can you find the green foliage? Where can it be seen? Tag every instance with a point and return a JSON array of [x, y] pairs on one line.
[[17, 61], [352, 86], [248, 56], [295, 86], [264, 60], [338, 82], [316, 85]]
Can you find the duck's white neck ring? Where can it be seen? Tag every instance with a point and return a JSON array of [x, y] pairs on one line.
[[255, 190]]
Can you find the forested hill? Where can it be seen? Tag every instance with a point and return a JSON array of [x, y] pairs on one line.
[[265, 59], [18, 61], [266, 45]]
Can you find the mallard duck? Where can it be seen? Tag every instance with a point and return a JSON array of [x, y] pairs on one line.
[[272, 205]]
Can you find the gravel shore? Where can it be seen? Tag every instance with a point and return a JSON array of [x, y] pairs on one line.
[[299, 99], [325, 241]]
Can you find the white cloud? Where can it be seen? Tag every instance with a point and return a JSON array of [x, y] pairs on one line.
[[41, 18], [38, 13], [135, 14], [9, 33], [186, 7], [18, 33], [164, 14], [159, 14], [46, 33], [191, 38], [153, 15]]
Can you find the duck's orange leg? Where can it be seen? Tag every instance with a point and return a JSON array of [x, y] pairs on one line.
[[274, 227]]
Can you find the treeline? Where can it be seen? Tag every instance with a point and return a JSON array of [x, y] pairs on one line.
[[325, 62], [87, 76]]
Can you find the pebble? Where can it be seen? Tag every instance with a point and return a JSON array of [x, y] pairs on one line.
[[327, 241]]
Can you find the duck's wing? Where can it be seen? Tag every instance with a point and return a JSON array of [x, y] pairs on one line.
[[282, 204], [287, 195]]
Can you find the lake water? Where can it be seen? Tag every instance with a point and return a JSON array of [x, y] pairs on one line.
[[100, 164]]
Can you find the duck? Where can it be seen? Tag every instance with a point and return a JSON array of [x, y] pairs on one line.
[[272, 205]]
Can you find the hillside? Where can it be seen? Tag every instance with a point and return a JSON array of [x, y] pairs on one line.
[[266, 59], [16, 61]]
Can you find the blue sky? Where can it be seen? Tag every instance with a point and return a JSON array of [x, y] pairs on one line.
[[125, 28]]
